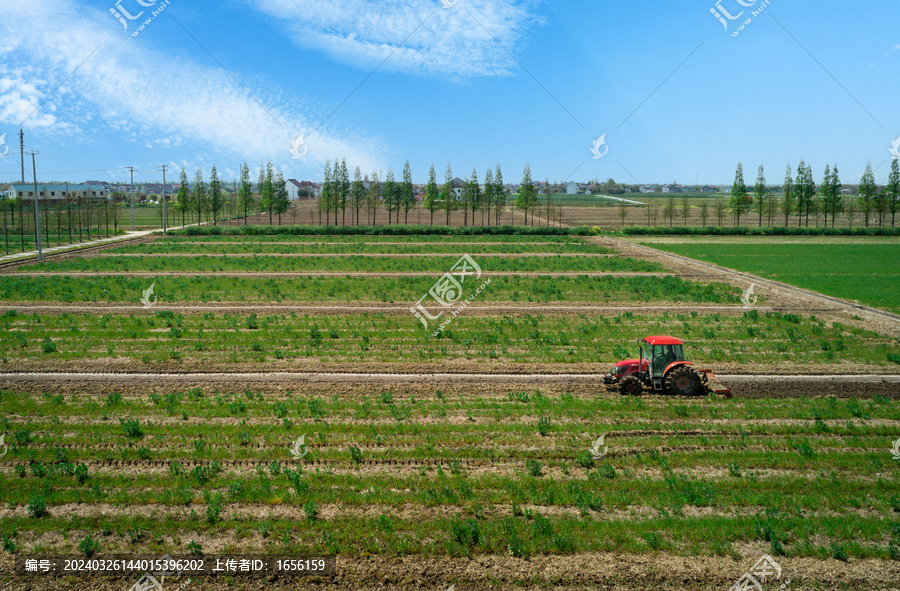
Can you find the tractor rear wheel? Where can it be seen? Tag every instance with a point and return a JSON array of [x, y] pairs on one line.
[[684, 381], [630, 386]]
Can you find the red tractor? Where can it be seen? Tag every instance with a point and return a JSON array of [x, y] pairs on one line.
[[662, 368]]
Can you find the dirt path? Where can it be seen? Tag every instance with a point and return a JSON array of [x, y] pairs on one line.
[[742, 386], [384, 255]]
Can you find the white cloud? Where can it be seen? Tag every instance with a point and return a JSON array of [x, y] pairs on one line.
[[143, 96], [421, 37]]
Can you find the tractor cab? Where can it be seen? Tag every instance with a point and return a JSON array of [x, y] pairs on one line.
[[661, 353], [660, 367]]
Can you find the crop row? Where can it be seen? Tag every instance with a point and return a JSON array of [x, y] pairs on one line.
[[430, 264], [797, 489], [167, 337], [166, 247], [171, 290]]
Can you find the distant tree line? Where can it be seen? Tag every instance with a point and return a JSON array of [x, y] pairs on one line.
[[804, 199]]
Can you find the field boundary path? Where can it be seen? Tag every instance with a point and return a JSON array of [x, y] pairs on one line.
[[875, 319], [13, 260], [744, 386], [402, 377]]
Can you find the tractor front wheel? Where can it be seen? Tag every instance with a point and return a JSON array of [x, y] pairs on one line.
[[630, 386], [684, 381]]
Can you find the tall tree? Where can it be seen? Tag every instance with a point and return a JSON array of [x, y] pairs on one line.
[[448, 195], [432, 200], [867, 190], [199, 198], [527, 194], [357, 192], [835, 195], [390, 194], [489, 197], [325, 194], [760, 193], [548, 191], [407, 195], [374, 196], [787, 202], [893, 188], [805, 188], [245, 192], [499, 193], [474, 193], [280, 198], [738, 195], [720, 206], [183, 197], [267, 197], [345, 191], [259, 187], [215, 194]]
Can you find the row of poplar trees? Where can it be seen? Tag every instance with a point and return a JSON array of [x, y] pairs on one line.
[[210, 197], [803, 198], [489, 198]]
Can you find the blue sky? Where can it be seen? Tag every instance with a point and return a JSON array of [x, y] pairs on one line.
[[475, 84]]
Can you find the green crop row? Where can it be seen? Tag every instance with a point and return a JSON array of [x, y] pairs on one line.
[[209, 338], [166, 247], [171, 290], [360, 263]]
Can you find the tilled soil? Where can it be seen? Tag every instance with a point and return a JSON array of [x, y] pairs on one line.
[[742, 386], [580, 572]]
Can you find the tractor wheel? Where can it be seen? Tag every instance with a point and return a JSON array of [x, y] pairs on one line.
[[630, 386], [684, 381]]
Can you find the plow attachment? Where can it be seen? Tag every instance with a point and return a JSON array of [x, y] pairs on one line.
[[713, 384]]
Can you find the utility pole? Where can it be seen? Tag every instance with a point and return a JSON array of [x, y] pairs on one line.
[[37, 212], [131, 168], [163, 168], [22, 152]]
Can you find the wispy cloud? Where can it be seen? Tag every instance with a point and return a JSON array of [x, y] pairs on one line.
[[444, 42], [145, 96]]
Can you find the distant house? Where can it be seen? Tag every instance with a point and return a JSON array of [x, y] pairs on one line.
[[672, 189], [458, 185], [308, 187], [56, 193], [709, 189], [571, 188]]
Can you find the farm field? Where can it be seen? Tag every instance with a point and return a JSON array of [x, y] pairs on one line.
[[244, 411], [864, 269]]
